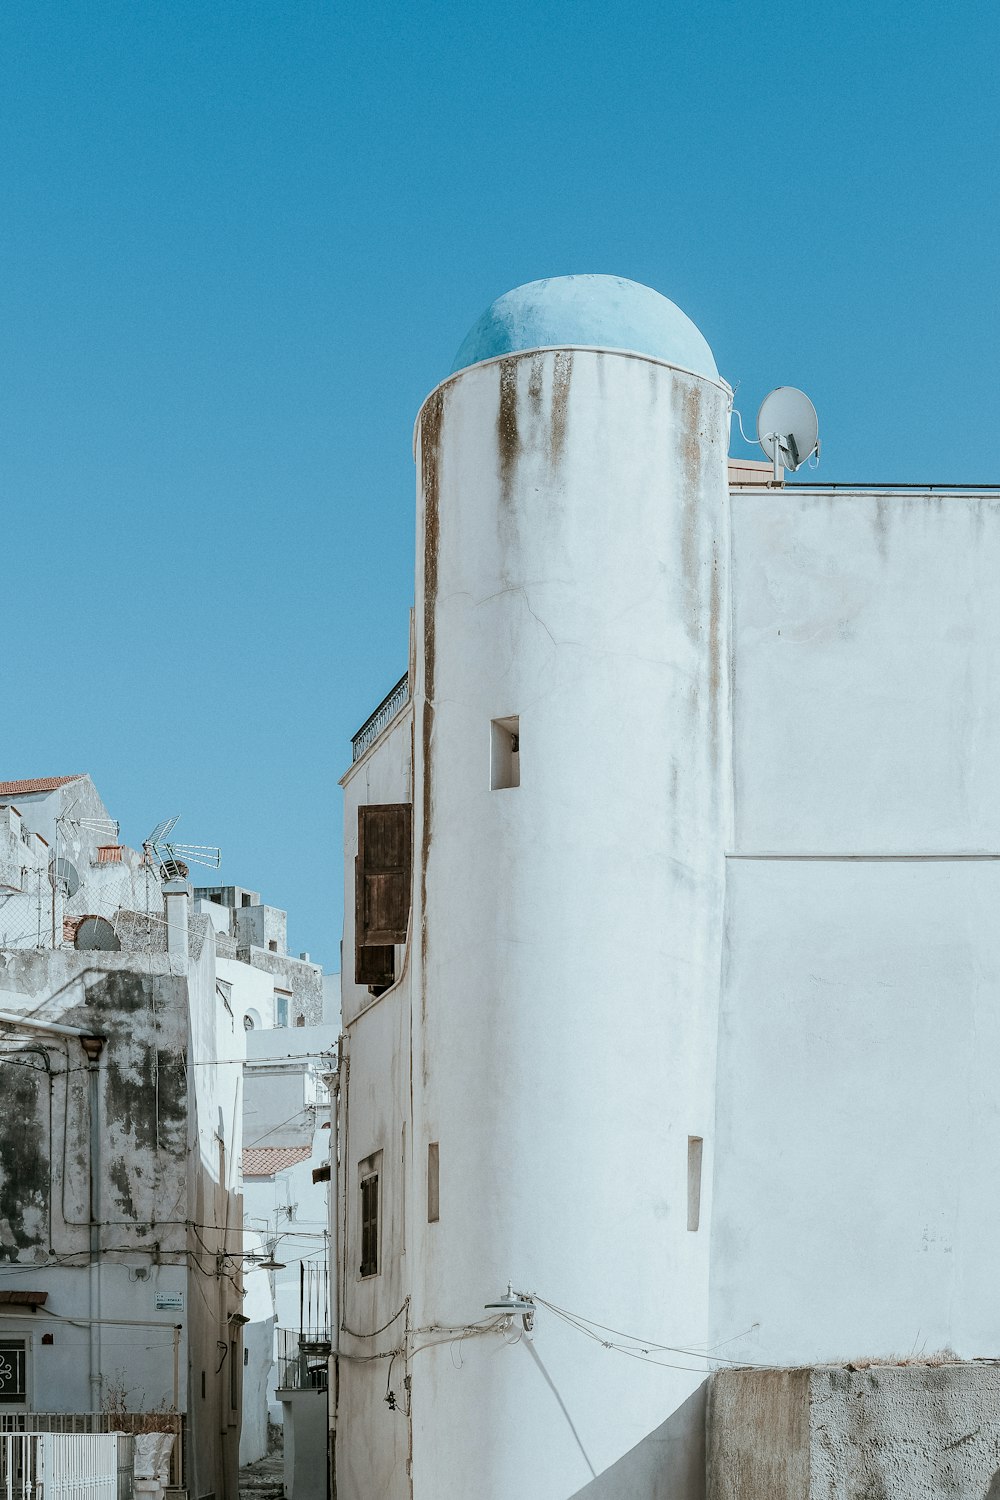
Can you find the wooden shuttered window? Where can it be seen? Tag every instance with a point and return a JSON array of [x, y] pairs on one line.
[[385, 859], [374, 964], [369, 1225]]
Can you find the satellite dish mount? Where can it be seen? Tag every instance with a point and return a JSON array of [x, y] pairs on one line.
[[788, 429]]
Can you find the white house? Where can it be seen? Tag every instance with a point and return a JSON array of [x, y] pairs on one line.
[[671, 983], [121, 1064]]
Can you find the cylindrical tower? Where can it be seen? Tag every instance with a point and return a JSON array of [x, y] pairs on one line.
[[572, 810]]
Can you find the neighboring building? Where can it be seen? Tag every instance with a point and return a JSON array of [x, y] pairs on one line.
[[120, 1139], [289, 991], [291, 1030], [672, 981]]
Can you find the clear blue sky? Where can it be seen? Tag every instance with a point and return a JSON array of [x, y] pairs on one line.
[[241, 241]]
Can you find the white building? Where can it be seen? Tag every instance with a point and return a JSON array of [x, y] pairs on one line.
[[672, 992], [290, 1015], [120, 1137]]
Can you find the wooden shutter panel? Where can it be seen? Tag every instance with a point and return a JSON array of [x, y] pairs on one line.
[[374, 965], [385, 856]]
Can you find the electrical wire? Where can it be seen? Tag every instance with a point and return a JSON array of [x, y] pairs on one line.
[[751, 442], [638, 1348], [376, 1331]]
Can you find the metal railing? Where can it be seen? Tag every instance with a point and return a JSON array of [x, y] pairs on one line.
[[303, 1363], [124, 1425], [64, 1466], [392, 704]]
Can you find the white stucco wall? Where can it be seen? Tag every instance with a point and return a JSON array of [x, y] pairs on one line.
[[572, 560], [857, 1113], [372, 1441]]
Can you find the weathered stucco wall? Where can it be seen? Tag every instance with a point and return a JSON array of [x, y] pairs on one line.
[[166, 1159], [857, 1111], [372, 1441], [881, 1433], [572, 571]]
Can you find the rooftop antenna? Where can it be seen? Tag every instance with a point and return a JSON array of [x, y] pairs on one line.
[[788, 429], [172, 859]]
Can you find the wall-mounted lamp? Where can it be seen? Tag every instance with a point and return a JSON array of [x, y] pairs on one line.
[[515, 1302]]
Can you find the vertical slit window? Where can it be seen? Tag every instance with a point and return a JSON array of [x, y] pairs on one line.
[[505, 753], [369, 1225], [695, 1144], [433, 1183]]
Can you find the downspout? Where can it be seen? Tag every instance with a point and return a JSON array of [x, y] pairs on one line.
[[93, 1046]]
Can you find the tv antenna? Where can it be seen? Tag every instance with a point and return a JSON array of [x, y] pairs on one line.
[[172, 859], [788, 429]]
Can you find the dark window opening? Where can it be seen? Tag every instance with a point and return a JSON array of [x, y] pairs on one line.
[[246, 899], [433, 1183], [695, 1146], [505, 753], [382, 891], [369, 1225]]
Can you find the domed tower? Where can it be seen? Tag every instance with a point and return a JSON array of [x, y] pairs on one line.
[[571, 816]]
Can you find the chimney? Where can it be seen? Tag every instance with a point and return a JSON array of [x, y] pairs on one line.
[[177, 896]]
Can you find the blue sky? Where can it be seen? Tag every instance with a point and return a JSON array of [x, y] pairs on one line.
[[241, 241]]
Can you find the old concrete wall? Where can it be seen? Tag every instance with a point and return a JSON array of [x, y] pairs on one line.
[[758, 1435], [169, 1134], [302, 980], [880, 1433]]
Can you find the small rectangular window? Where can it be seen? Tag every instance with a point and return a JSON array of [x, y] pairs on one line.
[[281, 999], [695, 1144], [433, 1183], [505, 753]]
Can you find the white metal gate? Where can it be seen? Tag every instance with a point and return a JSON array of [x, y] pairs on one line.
[[58, 1466]]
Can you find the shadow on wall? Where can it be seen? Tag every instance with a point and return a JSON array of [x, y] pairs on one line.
[[669, 1464]]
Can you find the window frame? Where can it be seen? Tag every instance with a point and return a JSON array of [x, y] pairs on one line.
[[370, 1216]]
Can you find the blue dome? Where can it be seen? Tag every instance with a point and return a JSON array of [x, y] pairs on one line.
[[603, 312]]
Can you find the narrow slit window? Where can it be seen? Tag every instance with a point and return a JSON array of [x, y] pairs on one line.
[[695, 1144], [505, 753], [433, 1183], [369, 1224]]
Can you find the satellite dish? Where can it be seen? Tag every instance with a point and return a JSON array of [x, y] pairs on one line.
[[97, 934], [64, 874], [788, 428]]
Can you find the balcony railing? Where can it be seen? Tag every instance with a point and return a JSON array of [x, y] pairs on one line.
[[303, 1361], [392, 704]]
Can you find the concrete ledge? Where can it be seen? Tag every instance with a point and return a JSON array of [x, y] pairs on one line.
[[880, 1432]]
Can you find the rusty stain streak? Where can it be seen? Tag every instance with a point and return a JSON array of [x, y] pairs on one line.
[[535, 385], [562, 374], [687, 408], [508, 440], [880, 521], [430, 459], [714, 654]]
